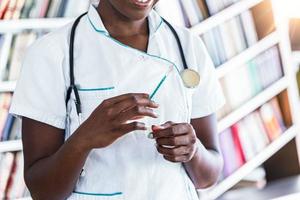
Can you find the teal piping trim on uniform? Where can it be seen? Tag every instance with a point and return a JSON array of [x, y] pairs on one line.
[[120, 43], [158, 86], [161, 21], [95, 89], [98, 30], [99, 194]]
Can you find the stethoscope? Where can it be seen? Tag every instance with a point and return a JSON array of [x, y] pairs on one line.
[[190, 78]]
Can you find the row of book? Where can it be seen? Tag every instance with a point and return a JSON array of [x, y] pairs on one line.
[[250, 136], [245, 82], [231, 38], [188, 13], [9, 126], [12, 185], [224, 41], [16, 9], [12, 50]]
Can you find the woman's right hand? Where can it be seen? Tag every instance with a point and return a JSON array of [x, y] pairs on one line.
[[109, 121]]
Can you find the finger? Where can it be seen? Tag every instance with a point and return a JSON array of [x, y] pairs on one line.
[[134, 126], [177, 159], [128, 103], [166, 125], [117, 99], [177, 151], [134, 112], [181, 140], [174, 130]]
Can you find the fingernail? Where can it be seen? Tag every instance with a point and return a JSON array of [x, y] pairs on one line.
[[151, 136], [156, 104], [156, 114]]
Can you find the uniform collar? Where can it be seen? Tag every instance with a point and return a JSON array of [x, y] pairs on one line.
[[155, 21]]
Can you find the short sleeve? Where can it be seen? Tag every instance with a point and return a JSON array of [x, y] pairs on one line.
[[41, 88], [208, 96]]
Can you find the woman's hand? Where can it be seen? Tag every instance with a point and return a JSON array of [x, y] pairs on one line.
[[176, 142], [109, 121]]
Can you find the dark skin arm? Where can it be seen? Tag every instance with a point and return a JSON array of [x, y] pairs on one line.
[[201, 158], [52, 167]]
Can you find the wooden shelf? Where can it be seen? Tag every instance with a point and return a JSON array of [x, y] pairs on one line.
[[7, 86], [248, 54], [252, 104], [223, 16], [233, 179], [7, 146], [41, 23]]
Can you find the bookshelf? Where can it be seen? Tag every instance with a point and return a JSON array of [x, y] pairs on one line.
[[248, 54], [8, 146], [250, 165], [286, 83], [224, 15], [252, 104], [7, 86], [29, 24]]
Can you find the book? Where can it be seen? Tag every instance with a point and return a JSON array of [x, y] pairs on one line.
[[18, 9], [247, 145], [53, 8], [20, 44], [254, 76], [228, 40], [249, 28], [203, 8], [214, 6], [192, 12], [239, 153], [5, 100], [3, 8], [28, 6], [237, 94], [211, 46], [6, 165], [5, 52], [257, 132], [7, 127], [62, 8], [270, 121], [237, 34], [15, 132], [228, 153], [16, 187], [277, 113]]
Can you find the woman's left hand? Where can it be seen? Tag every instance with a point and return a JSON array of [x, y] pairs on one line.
[[176, 142]]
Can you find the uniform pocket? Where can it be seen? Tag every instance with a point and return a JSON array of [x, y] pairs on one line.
[[91, 98], [96, 196]]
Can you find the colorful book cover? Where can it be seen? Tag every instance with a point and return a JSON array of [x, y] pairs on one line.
[[239, 154]]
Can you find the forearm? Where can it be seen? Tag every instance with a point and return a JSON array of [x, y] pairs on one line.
[[54, 177], [205, 167]]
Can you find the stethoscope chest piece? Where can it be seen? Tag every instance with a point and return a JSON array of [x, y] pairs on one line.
[[190, 78]]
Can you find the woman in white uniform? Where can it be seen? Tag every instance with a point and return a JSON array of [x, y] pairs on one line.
[[140, 134]]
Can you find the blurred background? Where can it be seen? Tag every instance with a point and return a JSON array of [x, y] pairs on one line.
[[255, 46]]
